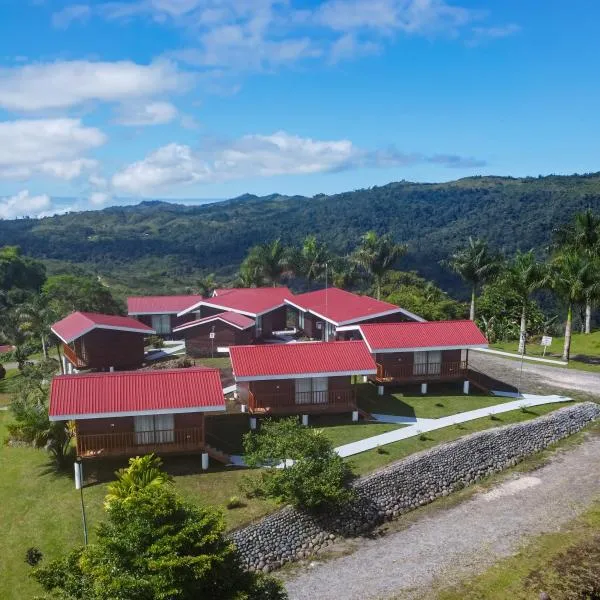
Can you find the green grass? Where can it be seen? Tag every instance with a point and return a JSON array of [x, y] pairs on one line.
[[215, 363], [8, 385], [341, 430], [585, 350], [441, 401]]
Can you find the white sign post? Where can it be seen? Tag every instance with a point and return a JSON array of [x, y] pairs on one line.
[[546, 341]]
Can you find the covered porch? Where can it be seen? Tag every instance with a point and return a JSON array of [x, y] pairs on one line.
[[340, 400]]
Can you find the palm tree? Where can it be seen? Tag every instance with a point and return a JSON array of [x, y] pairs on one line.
[[477, 265], [377, 255], [524, 275], [265, 262], [36, 317], [142, 473], [15, 334], [583, 235], [206, 285], [574, 278], [311, 260]]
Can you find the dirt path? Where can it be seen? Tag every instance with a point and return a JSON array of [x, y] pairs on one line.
[[457, 542], [536, 377]]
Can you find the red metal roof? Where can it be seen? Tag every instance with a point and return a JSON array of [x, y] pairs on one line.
[[96, 395], [431, 334], [249, 301], [80, 323], [159, 305], [342, 307], [6, 348], [282, 361], [231, 318]]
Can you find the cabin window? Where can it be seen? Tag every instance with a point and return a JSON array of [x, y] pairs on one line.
[[154, 429], [161, 324], [258, 325], [427, 363], [300, 320], [312, 390], [329, 331]]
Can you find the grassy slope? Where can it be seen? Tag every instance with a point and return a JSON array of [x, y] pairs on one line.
[[7, 385]]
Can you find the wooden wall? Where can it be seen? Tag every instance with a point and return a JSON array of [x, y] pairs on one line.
[[199, 344], [105, 348]]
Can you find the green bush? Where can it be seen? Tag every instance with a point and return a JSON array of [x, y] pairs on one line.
[[234, 502], [2, 372], [155, 341]]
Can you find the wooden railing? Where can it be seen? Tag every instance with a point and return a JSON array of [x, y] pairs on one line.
[[422, 371], [75, 360], [297, 402], [143, 442]]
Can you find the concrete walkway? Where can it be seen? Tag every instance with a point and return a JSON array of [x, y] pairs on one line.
[[424, 425], [167, 350]]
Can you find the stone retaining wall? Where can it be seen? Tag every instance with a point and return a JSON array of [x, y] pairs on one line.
[[289, 534]]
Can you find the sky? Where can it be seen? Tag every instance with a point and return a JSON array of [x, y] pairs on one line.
[[105, 103]]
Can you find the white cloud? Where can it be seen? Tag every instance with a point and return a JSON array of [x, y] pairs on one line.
[[64, 84], [153, 113], [75, 12], [52, 147], [482, 34], [347, 47], [99, 198], [24, 205], [260, 156]]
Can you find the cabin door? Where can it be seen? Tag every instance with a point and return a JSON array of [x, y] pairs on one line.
[[320, 390], [420, 363], [434, 366], [164, 428], [144, 429], [303, 390]]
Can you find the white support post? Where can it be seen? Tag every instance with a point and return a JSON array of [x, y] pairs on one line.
[[466, 387], [253, 423], [305, 420], [423, 389], [380, 390], [64, 362], [70, 369], [365, 378], [111, 370], [355, 416], [78, 475], [204, 461], [243, 408]]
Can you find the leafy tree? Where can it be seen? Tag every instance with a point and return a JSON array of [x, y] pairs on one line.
[[377, 255], [317, 476], [36, 317], [477, 265], [310, 261], [343, 272], [266, 263], [206, 285], [152, 545], [18, 271], [523, 276], [13, 332], [574, 278], [69, 293]]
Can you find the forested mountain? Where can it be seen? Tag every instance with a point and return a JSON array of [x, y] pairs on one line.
[[164, 246]]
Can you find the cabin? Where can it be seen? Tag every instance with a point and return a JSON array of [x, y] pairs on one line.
[[266, 306], [101, 342], [161, 312], [300, 378], [213, 335], [137, 412], [320, 314], [425, 352]]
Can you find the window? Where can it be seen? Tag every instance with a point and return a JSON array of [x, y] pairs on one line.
[[329, 332], [161, 324], [312, 390], [301, 320], [427, 363], [258, 325], [154, 429]]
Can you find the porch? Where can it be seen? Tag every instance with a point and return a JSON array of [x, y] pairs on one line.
[[313, 402], [421, 372], [71, 355]]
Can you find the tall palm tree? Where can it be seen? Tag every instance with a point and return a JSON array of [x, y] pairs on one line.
[[477, 265], [36, 317], [574, 278], [206, 285], [310, 261], [377, 255], [12, 331], [524, 275], [266, 263]]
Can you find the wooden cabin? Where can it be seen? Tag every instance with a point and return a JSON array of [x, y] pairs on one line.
[[300, 378], [320, 314], [423, 352], [137, 412], [100, 342], [213, 335]]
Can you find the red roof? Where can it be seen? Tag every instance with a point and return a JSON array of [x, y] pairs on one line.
[[6, 348], [96, 395], [231, 318], [159, 305], [79, 323], [302, 359], [341, 307], [248, 301], [387, 337]]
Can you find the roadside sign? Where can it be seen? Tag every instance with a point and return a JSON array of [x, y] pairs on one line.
[[546, 340], [211, 335]]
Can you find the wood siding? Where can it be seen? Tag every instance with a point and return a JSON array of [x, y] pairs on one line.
[[175, 322], [105, 348], [198, 342]]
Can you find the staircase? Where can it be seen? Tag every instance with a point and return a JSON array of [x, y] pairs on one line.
[[217, 455]]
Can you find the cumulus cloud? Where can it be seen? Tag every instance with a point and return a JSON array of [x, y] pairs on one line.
[[153, 113], [99, 198], [75, 12], [24, 204], [260, 156], [52, 147], [65, 84]]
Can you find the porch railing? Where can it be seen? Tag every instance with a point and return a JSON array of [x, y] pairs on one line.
[[72, 357], [140, 442], [422, 371], [301, 400]]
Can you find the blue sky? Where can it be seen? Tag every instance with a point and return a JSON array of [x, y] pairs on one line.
[[111, 102]]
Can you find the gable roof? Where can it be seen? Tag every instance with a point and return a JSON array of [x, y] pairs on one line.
[[438, 335], [79, 323], [127, 393], [230, 318], [251, 302], [341, 307], [155, 305], [299, 360]]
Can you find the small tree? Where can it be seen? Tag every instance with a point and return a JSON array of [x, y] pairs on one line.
[[310, 260], [305, 469]]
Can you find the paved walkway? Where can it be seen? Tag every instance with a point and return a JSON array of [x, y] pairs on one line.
[[423, 425], [446, 545]]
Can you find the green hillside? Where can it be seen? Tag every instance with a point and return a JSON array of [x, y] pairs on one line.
[[158, 245]]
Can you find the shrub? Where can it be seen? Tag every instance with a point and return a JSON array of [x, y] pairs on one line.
[[33, 556], [2, 372], [234, 502], [155, 341], [381, 450]]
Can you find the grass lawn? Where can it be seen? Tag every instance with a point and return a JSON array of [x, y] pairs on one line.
[[585, 350], [216, 363], [341, 430], [441, 401], [8, 384]]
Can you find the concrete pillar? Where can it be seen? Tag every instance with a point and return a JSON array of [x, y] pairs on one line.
[[365, 378], [423, 388], [305, 420], [355, 416], [253, 423], [204, 461], [70, 369], [77, 466], [65, 364], [243, 408], [466, 387], [111, 369], [380, 390]]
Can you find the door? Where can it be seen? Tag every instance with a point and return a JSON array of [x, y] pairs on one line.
[[154, 429], [164, 427], [303, 391], [144, 429], [434, 366], [420, 363], [320, 392]]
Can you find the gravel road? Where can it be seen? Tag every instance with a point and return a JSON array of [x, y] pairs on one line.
[[536, 377], [453, 543]]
